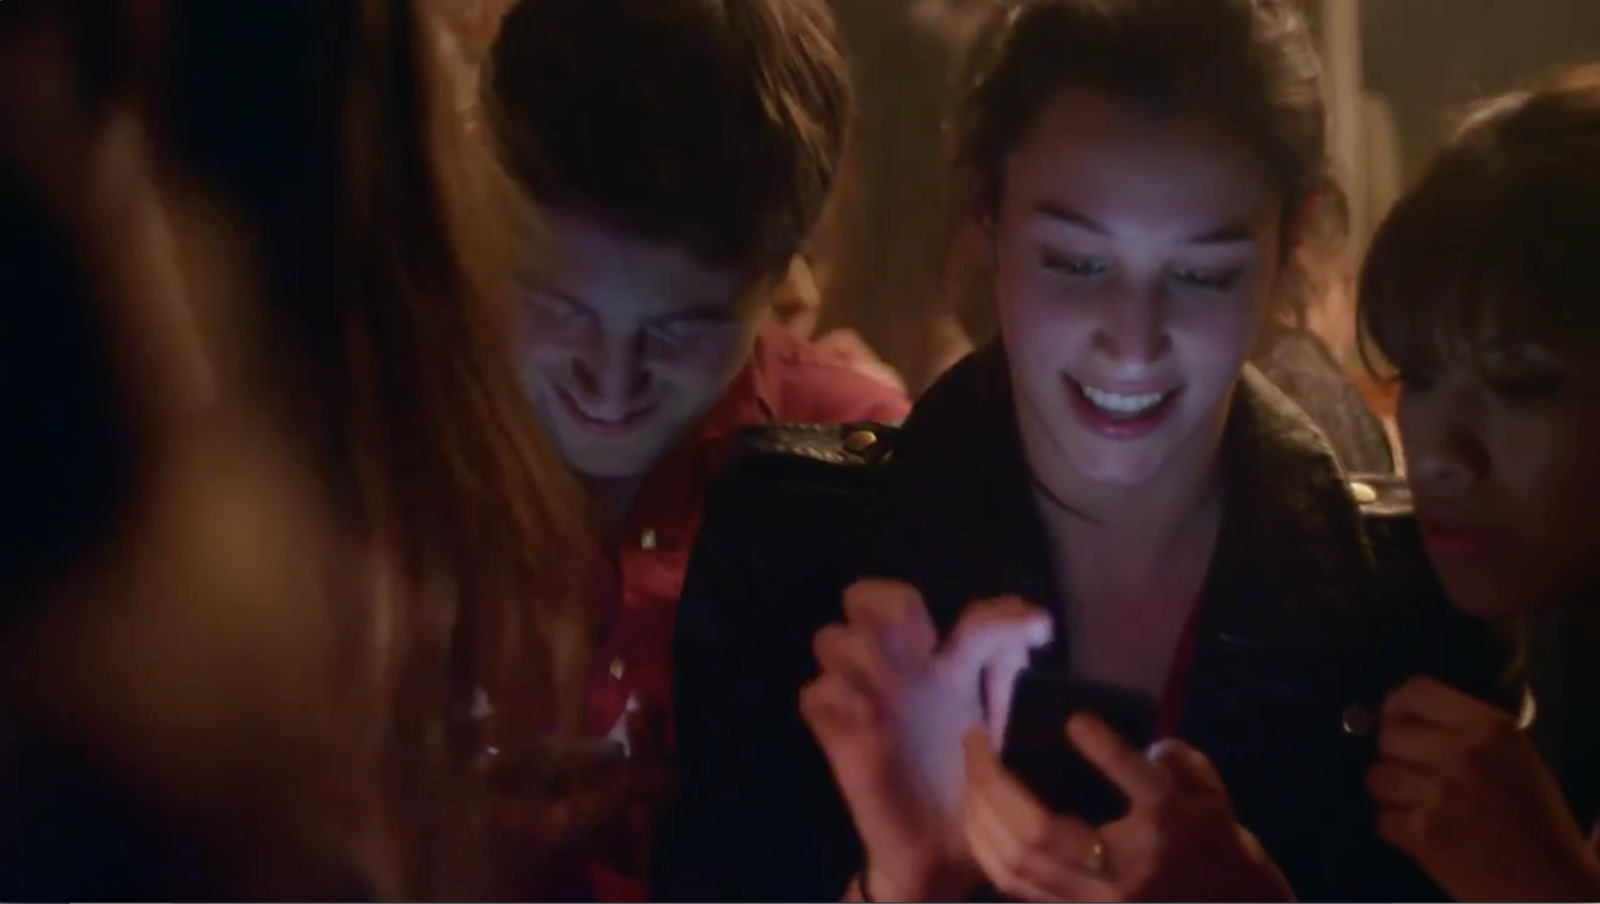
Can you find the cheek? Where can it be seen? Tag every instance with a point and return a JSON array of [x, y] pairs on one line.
[[1042, 330], [1547, 463], [1213, 337]]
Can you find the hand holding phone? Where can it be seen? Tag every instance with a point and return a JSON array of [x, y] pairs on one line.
[[889, 709], [1178, 839], [1037, 750]]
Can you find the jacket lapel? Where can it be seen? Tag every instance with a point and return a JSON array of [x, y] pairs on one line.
[[964, 526]]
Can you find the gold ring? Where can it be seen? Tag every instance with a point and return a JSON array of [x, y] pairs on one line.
[[1095, 862]]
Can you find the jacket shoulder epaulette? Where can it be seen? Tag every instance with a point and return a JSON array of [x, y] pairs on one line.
[[857, 445], [1380, 495]]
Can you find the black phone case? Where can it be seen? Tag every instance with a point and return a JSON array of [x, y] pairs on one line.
[[1037, 751]]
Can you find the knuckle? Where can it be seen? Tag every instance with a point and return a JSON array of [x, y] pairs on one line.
[[1426, 828], [1481, 756], [1435, 790], [878, 597], [1034, 832], [1009, 885], [1499, 734], [1165, 799], [828, 639]]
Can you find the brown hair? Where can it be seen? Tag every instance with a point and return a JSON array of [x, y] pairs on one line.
[[719, 124], [1499, 237], [381, 232], [1252, 61]]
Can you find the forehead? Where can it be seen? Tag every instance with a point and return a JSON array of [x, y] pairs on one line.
[[1131, 167], [607, 267]]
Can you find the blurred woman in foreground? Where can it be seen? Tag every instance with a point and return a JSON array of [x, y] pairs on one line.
[[273, 511]]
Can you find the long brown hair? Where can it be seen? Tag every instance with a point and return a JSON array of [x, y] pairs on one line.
[[1252, 61], [376, 229], [385, 234]]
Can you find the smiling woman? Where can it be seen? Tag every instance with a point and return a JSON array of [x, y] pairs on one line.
[[985, 125], [1136, 179], [1134, 257]]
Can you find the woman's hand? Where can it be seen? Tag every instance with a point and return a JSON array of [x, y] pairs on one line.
[[1178, 842], [890, 710], [1464, 793]]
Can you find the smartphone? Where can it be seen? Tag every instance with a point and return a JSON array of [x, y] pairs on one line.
[[1037, 751]]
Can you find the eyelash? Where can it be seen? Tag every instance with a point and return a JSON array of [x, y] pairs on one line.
[[1087, 268], [1073, 267], [669, 336], [1221, 282]]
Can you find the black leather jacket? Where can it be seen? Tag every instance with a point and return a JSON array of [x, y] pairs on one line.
[[1317, 603]]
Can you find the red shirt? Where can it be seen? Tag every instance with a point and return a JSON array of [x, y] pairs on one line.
[[1169, 716], [786, 381]]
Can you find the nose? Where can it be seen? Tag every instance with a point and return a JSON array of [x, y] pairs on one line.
[[609, 372], [1133, 327], [1443, 439]]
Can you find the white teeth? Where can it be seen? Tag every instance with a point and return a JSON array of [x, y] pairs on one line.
[[1122, 404]]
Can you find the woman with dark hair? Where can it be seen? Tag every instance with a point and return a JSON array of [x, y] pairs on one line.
[[282, 510], [1480, 291], [1141, 174], [1287, 351]]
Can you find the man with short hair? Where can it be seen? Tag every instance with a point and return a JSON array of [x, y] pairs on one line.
[[680, 152]]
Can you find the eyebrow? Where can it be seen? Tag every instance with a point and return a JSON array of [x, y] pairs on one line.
[[1228, 234]]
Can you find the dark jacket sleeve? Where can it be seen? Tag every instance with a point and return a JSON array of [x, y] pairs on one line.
[[758, 817]]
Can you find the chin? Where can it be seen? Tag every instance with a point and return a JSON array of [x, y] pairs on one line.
[[1120, 470], [1123, 463], [1486, 597], [606, 461]]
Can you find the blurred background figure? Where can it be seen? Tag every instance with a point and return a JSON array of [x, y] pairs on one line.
[[274, 512], [798, 306]]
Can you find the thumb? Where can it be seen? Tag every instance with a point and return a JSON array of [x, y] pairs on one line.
[[1190, 768], [999, 686]]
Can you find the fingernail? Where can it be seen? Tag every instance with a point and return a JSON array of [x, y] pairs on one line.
[[1160, 747], [1040, 630]]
